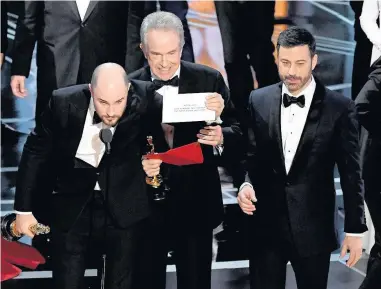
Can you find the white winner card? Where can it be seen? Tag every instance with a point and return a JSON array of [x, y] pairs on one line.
[[186, 107]]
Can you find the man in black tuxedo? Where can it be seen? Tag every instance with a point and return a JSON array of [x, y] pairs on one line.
[[98, 197], [194, 206], [368, 104], [73, 38], [298, 130]]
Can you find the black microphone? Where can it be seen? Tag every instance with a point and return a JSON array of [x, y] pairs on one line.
[[106, 137]]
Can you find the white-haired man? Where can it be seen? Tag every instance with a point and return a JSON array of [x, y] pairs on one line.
[[193, 208]]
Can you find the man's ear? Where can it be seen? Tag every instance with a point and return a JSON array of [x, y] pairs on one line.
[[91, 91], [314, 61], [142, 48]]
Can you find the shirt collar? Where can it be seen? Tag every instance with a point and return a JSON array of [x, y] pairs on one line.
[[91, 107], [177, 73]]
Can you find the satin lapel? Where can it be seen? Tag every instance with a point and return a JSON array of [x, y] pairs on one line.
[[146, 74], [77, 117], [90, 9], [310, 128], [74, 8], [275, 124], [188, 80]]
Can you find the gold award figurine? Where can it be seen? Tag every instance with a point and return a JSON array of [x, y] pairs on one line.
[[156, 181], [8, 230]]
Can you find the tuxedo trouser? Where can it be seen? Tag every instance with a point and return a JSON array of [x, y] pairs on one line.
[[373, 274], [268, 263], [71, 249], [192, 254]]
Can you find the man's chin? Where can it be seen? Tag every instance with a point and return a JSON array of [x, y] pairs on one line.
[[293, 87], [110, 123], [166, 75]]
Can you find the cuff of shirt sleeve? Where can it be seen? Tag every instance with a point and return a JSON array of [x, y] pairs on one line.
[[354, 234], [245, 184], [23, 213]]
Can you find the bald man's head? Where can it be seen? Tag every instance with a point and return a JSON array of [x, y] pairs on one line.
[[109, 71], [109, 88]]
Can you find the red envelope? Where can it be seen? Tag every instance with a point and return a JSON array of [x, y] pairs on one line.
[[189, 154], [8, 271], [21, 254]]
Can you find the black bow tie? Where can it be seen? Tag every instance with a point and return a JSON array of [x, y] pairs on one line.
[[174, 81], [288, 100], [96, 118]]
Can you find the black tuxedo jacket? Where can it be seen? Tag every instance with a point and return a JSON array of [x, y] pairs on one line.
[[196, 198], [68, 48], [368, 103], [50, 150], [307, 193]]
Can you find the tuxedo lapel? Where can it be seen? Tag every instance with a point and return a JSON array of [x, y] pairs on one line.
[[90, 9], [275, 124], [310, 127], [146, 74], [73, 6], [187, 80], [77, 117]]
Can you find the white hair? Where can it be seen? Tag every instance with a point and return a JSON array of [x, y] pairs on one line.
[[161, 20]]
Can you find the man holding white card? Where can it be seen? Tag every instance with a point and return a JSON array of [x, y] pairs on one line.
[[194, 206]]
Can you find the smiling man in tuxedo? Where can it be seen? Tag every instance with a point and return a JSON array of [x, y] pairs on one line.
[[298, 131], [81, 212], [193, 207]]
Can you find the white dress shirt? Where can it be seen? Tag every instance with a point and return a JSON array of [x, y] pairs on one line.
[[293, 120], [82, 6], [371, 10], [90, 148]]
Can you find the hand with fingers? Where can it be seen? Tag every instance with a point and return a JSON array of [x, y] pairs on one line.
[[353, 244], [24, 223], [18, 86], [216, 103], [246, 199], [151, 167], [210, 135]]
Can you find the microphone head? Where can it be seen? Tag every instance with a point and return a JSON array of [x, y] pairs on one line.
[[105, 135]]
